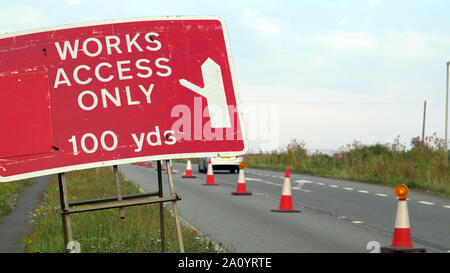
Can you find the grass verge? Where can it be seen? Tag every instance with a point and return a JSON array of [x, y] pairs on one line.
[[425, 166], [104, 231], [8, 194]]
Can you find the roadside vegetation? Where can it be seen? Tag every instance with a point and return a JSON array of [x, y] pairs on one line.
[[425, 166], [104, 231], [8, 195]]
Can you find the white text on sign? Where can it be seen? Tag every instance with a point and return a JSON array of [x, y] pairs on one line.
[[105, 72], [89, 142]]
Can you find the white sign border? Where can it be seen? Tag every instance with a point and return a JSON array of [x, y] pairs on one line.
[[145, 158]]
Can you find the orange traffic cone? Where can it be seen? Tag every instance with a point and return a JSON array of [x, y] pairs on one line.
[[162, 166], [286, 196], [210, 175], [149, 164], [401, 241], [140, 163], [188, 170], [171, 168], [241, 187]]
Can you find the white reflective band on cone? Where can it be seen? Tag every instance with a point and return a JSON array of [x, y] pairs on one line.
[[210, 170], [241, 176], [189, 165], [286, 186], [402, 219]]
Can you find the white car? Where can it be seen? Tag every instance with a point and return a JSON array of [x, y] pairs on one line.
[[230, 163]]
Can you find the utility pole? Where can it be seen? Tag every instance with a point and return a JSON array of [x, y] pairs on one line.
[[424, 115], [446, 110]]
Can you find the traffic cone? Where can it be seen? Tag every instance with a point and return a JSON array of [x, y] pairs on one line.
[[171, 167], [162, 166], [401, 241], [241, 188], [188, 170], [149, 164], [210, 175], [286, 196]]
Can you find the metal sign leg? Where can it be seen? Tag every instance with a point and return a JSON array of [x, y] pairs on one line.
[[174, 204], [119, 192], [161, 208], [65, 214]]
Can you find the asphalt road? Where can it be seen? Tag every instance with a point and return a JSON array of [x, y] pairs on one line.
[[16, 225], [336, 215]]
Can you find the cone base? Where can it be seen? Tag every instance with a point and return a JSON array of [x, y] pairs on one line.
[[402, 250], [285, 210], [189, 176], [241, 193], [210, 184]]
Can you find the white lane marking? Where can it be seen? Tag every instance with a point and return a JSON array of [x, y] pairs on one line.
[[347, 188], [271, 183], [259, 173], [304, 181], [357, 222], [334, 186], [448, 207], [252, 179], [279, 185], [300, 189], [426, 203], [363, 191], [320, 183], [274, 176], [381, 194], [282, 177]]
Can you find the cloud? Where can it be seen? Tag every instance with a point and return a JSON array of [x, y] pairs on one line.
[[374, 2], [261, 24], [392, 43], [73, 2], [341, 40], [16, 17], [411, 43], [330, 118]]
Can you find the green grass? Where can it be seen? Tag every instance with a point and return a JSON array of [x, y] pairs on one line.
[[104, 231], [424, 166], [8, 194]]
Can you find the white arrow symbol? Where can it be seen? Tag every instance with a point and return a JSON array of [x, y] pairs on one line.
[[214, 92], [300, 184]]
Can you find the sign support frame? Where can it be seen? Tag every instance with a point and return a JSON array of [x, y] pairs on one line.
[[68, 208]]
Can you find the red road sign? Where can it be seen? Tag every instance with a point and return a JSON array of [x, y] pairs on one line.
[[116, 92]]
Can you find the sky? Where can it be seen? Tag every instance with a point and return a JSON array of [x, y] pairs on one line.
[[324, 72]]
